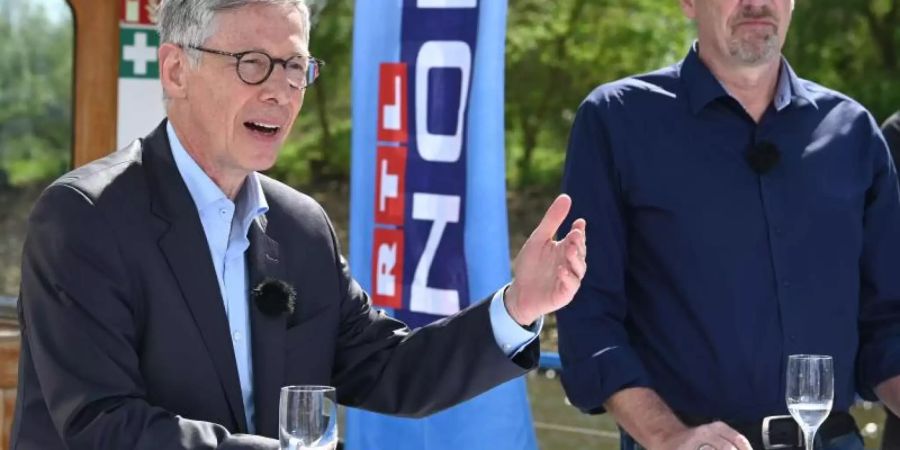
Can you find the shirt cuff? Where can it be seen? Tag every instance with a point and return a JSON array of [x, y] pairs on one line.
[[589, 383], [510, 336], [877, 362]]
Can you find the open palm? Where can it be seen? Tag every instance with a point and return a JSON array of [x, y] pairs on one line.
[[547, 272]]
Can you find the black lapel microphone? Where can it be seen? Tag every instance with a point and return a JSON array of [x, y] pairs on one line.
[[274, 297], [763, 157]]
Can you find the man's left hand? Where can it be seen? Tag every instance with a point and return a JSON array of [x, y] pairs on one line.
[[547, 273]]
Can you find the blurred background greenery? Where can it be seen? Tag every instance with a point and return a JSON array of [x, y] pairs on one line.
[[557, 51]]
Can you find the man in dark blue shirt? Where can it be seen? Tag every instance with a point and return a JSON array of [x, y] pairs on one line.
[[891, 437], [739, 214], [891, 129]]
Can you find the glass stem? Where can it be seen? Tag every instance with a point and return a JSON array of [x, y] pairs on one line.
[[810, 439]]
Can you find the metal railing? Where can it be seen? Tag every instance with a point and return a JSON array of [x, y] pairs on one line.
[[550, 360], [8, 312]]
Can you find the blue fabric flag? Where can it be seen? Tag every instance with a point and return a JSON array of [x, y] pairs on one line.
[[428, 227]]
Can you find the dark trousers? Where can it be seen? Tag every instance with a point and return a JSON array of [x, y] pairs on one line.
[[850, 441]]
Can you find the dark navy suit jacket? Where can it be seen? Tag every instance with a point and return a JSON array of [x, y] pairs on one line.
[[125, 340]]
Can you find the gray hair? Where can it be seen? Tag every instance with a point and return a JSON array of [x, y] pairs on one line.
[[191, 22]]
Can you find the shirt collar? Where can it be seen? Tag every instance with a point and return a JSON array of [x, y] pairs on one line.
[[798, 89], [254, 202], [250, 202], [703, 87]]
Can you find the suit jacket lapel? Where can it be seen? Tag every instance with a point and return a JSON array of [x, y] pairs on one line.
[[267, 331], [183, 243]]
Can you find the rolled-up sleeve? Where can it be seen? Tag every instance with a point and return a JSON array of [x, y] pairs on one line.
[[879, 321], [593, 343]]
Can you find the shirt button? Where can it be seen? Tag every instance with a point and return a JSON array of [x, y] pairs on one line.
[[236, 335]]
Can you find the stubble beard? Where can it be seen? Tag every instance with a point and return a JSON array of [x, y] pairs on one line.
[[755, 48]]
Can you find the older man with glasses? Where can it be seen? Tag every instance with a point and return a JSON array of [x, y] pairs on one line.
[[170, 290]]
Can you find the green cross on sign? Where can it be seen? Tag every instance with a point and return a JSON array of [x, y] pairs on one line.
[[138, 57]]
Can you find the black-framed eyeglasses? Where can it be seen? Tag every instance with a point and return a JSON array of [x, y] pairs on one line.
[[254, 67]]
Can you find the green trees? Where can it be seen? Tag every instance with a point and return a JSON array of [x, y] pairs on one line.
[[318, 150], [557, 51], [35, 94], [852, 46]]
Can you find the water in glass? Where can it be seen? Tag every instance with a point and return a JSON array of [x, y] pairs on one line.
[[810, 392], [307, 418]]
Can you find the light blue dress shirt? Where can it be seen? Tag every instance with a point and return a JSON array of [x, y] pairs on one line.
[[226, 225]]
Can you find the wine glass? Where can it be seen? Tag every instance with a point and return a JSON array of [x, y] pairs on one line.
[[810, 392], [307, 418]]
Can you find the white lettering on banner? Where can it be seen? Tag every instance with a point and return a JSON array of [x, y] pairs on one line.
[[140, 53], [439, 54], [447, 3], [392, 111], [390, 186], [387, 259], [440, 209]]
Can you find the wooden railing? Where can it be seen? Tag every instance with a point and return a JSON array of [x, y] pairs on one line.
[[9, 366]]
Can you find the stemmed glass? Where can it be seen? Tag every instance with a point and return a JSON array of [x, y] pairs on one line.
[[307, 418], [810, 392]]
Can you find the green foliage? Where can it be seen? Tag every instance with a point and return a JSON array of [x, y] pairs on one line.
[[851, 46], [319, 148], [559, 51], [304, 152], [35, 94]]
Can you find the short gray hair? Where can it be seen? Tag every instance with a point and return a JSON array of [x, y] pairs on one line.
[[191, 22]]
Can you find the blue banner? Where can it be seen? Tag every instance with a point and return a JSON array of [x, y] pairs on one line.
[[428, 227]]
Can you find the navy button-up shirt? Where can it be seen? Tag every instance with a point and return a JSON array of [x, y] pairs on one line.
[[703, 276]]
